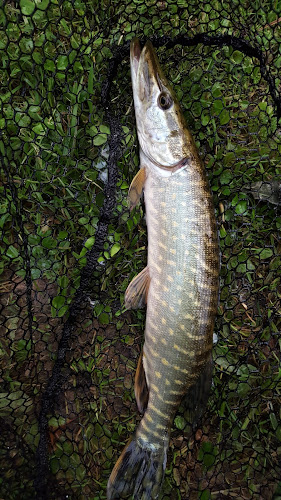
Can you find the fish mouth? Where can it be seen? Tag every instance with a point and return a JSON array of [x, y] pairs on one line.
[[135, 53], [147, 75]]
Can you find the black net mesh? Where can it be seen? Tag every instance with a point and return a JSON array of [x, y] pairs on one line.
[[70, 245]]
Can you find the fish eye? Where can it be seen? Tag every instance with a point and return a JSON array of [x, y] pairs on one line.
[[164, 100]]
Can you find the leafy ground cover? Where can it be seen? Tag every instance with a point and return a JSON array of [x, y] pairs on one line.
[[55, 146]]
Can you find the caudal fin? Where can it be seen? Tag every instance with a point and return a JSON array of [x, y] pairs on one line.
[[139, 471]]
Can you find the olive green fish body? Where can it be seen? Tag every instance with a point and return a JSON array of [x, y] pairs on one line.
[[179, 284], [183, 291]]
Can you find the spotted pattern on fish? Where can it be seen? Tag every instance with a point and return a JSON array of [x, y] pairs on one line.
[[182, 298]]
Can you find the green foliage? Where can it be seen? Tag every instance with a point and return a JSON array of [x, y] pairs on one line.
[[54, 146]]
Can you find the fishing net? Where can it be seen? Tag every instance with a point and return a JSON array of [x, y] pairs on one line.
[[70, 245]]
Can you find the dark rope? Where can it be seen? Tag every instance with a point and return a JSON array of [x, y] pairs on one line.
[[237, 43], [54, 384]]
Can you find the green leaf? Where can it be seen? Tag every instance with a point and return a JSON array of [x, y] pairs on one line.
[[43, 4], [35, 273], [241, 268], [62, 235], [83, 220], [62, 62], [250, 265], [241, 207], [49, 65], [49, 242], [27, 7], [237, 56], [217, 107], [226, 177], [98, 309], [39, 129], [89, 242], [180, 422], [63, 281], [104, 319], [224, 117], [58, 301], [205, 495], [105, 129], [266, 253], [54, 465], [12, 252], [273, 421], [205, 118], [100, 139], [4, 218], [62, 311], [22, 119], [208, 454], [243, 389], [116, 247]]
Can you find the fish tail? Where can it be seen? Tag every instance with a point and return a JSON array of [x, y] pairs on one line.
[[139, 471]]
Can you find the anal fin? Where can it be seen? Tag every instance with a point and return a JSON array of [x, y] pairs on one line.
[[136, 188], [141, 388], [136, 293]]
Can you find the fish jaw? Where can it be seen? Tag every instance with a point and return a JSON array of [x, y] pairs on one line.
[[162, 131]]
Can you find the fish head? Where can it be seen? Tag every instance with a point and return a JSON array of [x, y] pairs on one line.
[[162, 131]]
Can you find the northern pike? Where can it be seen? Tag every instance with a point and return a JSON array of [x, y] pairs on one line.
[[179, 284]]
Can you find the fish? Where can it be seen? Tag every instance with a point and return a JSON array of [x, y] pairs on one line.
[[179, 286]]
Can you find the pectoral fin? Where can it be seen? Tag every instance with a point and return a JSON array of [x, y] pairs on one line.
[[136, 188], [141, 388], [136, 293]]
